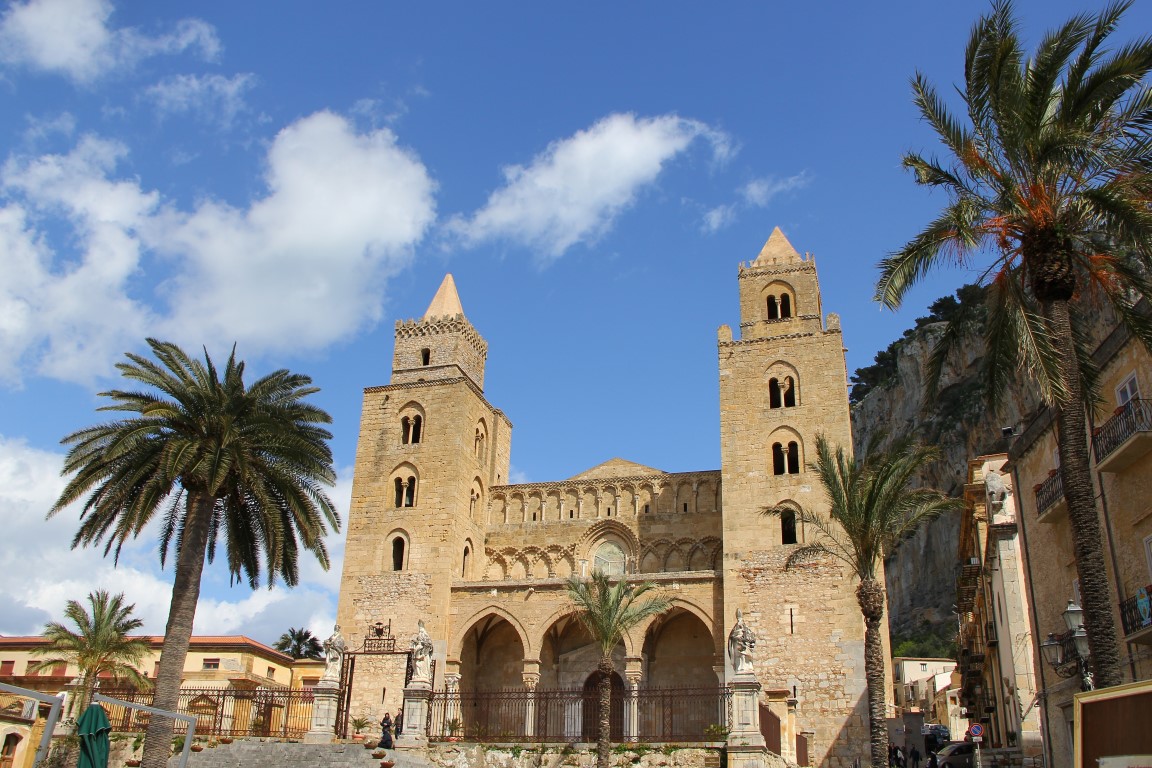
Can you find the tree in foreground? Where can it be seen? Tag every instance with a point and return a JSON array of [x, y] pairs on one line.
[[1048, 176], [300, 644], [99, 646], [609, 608], [218, 462], [871, 509]]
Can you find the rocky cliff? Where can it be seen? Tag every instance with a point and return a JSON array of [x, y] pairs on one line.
[[921, 572]]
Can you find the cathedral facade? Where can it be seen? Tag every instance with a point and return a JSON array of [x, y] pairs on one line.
[[436, 532]]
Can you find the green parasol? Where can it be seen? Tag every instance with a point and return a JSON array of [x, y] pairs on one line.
[[93, 728]]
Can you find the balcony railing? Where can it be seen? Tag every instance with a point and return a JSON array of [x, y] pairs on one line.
[[1125, 437], [990, 634], [1136, 612], [1050, 497]]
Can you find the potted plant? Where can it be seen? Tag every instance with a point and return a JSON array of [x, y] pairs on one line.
[[358, 725], [132, 763], [225, 739], [387, 763], [197, 747]]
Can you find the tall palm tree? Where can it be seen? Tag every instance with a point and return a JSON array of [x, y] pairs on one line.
[[99, 647], [300, 644], [1048, 175], [871, 509], [218, 460], [609, 609]]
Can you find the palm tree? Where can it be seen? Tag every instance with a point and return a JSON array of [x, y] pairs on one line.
[[300, 644], [608, 610], [100, 646], [223, 461], [1049, 174], [871, 509]]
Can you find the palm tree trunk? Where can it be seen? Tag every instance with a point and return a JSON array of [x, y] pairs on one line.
[[870, 596], [604, 735], [1087, 543], [178, 632]]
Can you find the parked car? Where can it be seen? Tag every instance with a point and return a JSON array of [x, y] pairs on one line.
[[960, 754]]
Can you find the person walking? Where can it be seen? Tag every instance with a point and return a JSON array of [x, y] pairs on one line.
[[914, 756], [386, 731], [398, 721]]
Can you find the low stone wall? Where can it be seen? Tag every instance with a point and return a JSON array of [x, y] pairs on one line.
[[459, 755]]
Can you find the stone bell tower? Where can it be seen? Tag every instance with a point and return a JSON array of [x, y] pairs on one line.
[[430, 447], [783, 381]]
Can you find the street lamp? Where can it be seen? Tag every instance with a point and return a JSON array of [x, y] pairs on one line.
[[1068, 652]]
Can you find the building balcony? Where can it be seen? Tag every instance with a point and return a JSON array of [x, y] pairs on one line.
[[1124, 438], [1136, 616], [990, 638], [1050, 504]]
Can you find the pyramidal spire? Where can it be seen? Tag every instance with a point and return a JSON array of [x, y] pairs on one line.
[[777, 250], [446, 302]]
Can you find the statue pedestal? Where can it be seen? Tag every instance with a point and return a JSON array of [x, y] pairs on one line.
[[417, 697], [324, 696], [746, 747]]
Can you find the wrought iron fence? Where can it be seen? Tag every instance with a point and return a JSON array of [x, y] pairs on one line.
[[280, 712], [1048, 493], [1135, 416], [573, 715]]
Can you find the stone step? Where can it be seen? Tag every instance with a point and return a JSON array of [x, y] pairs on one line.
[[255, 753]]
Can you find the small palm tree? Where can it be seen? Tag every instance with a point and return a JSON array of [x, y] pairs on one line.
[[1048, 172], [100, 646], [609, 610], [224, 461], [871, 509], [300, 644]]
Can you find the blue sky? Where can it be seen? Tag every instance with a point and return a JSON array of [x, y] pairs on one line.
[[294, 177]]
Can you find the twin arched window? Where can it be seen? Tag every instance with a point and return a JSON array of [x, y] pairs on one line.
[[480, 443], [609, 559], [405, 491], [779, 307], [782, 393], [411, 429], [786, 458]]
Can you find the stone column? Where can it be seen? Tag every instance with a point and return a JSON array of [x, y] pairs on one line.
[[633, 676], [452, 703], [324, 696], [531, 680]]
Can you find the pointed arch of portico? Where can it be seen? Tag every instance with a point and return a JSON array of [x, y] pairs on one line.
[[457, 645], [631, 647], [685, 604]]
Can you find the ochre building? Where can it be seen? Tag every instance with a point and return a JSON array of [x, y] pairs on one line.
[[436, 532]]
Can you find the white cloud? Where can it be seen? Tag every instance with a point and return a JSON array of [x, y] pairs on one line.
[[73, 38], [295, 270], [719, 217], [573, 190], [38, 577], [72, 316], [211, 98], [306, 264], [759, 192]]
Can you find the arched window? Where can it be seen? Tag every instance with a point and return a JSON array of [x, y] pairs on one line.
[[405, 430], [425, 356], [480, 447], [464, 567], [773, 308], [788, 527], [405, 491], [774, 399], [609, 559], [785, 305], [398, 553], [411, 429], [417, 428], [786, 459]]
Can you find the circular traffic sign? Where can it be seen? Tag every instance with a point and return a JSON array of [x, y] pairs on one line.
[[976, 729]]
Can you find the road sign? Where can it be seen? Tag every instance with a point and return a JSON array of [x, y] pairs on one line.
[[976, 730], [977, 739]]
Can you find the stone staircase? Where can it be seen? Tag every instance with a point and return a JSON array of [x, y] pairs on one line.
[[254, 753]]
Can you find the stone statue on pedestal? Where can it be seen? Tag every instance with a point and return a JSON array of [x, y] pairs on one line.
[[421, 655], [334, 648], [741, 642]]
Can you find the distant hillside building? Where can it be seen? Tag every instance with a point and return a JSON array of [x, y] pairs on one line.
[[436, 532]]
